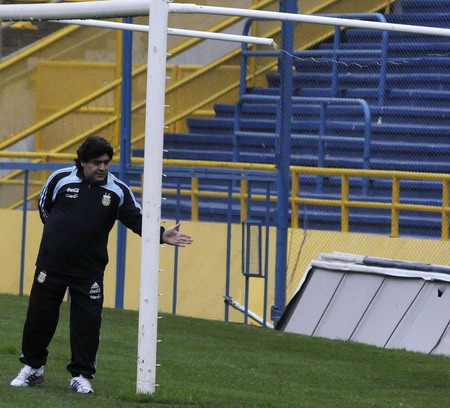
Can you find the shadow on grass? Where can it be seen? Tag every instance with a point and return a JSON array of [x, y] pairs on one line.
[[160, 400], [9, 349]]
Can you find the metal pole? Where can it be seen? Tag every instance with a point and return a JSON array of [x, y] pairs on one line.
[[2, 26], [114, 9], [24, 231], [172, 31], [228, 252], [175, 261], [151, 201], [283, 159], [266, 255], [303, 18], [125, 155]]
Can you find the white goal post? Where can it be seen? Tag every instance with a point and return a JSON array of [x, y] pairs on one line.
[[154, 127]]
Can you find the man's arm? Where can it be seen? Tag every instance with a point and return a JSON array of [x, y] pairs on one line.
[[130, 214], [46, 196], [173, 236]]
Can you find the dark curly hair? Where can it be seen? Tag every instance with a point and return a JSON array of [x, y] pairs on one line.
[[93, 147]]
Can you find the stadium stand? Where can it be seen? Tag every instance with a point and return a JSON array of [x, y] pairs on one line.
[[408, 130]]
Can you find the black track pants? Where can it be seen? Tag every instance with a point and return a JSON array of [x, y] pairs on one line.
[[86, 302]]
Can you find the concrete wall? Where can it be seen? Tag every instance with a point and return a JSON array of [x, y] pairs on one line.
[[201, 268]]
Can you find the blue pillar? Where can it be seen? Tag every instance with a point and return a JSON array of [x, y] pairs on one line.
[[24, 230], [125, 154], [282, 159]]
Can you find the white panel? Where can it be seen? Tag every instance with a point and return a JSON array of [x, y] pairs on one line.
[[388, 307], [443, 347], [310, 306], [426, 321], [348, 305]]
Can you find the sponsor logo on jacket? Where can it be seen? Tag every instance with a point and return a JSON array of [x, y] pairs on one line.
[[72, 192]]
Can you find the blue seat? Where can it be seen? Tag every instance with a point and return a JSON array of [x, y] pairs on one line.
[[396, 65], [432, 19], [424, 6], [303, 111]]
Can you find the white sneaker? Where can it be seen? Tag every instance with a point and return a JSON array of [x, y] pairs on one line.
[[28, 377], [81, 384]]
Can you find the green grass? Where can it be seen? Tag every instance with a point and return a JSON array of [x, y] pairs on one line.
[[212, 364]]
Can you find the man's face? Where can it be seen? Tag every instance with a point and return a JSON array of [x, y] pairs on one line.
[[96, 170]]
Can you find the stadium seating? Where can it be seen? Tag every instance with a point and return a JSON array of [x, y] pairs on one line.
[[409, 130]]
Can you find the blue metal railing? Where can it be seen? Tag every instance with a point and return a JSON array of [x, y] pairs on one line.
[[335, 53], [322, 125]]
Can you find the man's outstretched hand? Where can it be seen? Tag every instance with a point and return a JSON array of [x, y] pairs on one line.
[[173, 236]]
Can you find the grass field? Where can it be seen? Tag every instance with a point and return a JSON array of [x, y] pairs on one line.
[[209, 364]]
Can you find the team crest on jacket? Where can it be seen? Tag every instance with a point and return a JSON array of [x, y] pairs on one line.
[[106, 199]]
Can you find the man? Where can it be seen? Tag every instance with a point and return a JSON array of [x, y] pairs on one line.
[[78, 206]]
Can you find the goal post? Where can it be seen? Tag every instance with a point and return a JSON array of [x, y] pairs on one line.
[[151, 197], [79, 10]]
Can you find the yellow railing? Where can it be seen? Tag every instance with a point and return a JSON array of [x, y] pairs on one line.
[[395, 205], [178, 49], [198, 76], [344, 202]]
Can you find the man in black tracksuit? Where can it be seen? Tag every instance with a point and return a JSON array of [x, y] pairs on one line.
[[78, 206]]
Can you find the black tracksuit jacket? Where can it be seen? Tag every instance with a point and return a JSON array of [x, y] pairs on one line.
[[78, 217]]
